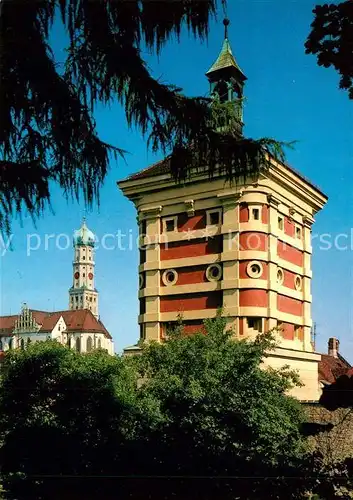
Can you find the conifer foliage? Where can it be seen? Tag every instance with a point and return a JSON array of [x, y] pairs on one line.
[[331, 40], [47, 129], [194, 416]]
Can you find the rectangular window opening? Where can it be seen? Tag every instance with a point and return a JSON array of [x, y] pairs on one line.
[[170, 224], [256, 214], [214, 217], [255, 324], [280, 223]]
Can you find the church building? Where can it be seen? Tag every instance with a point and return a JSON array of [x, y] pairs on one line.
[[244, 248], [78, 327]]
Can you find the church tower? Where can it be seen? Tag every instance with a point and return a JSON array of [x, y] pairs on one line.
[[227, 82], [82, 294]]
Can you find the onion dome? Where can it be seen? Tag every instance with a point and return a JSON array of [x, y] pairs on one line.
[[84, 236]]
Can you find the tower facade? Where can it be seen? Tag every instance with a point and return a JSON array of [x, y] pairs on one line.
[[83, 294], [245, 248]]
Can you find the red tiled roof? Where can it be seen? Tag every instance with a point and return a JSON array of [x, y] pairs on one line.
[[163, 167], [159, 168], [7, 324], [350, 372], [50, 320], [39, 315], [330, 368], [78, 320]]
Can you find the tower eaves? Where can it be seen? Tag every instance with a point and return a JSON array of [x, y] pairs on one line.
[[225, 60]]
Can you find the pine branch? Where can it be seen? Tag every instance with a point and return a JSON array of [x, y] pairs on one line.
[[47, 127]]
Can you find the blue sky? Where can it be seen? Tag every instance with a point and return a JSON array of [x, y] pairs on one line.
[[288, 97]]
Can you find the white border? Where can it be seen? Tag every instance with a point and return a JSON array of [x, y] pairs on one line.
[[280, 281], [298, 287], [252, 274], [165, 280], [209, 272]]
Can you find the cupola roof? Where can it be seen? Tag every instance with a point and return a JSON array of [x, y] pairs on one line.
[[84, 236], [226, 58]]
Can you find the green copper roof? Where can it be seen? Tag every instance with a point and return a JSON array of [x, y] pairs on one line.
[[84, 236], [225, 59]]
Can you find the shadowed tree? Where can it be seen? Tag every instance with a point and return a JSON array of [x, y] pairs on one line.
[[331, 40], [228, 430], [339, 394], [72, 416], [47, 127], [337, 397], [206, 418]]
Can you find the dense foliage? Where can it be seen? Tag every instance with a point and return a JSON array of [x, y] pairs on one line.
[[195, 414], [331, 40], [47, 129]]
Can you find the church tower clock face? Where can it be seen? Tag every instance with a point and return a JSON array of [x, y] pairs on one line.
[[82, 294]]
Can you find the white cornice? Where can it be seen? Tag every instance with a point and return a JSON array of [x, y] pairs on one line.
[[277, 172]]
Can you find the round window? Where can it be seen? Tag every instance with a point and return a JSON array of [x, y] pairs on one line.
[[214, 272], [254, 269], [280, 276], [170, 277], [298, 283]]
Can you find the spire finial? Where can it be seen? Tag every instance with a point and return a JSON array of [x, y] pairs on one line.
[[226, 23], [84, 217]]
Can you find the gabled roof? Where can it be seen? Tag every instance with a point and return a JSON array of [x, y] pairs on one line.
[[79, 320], [159, 168], [7, 324], [50, 320], [225, 60], [330, 368], [39, 315]]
